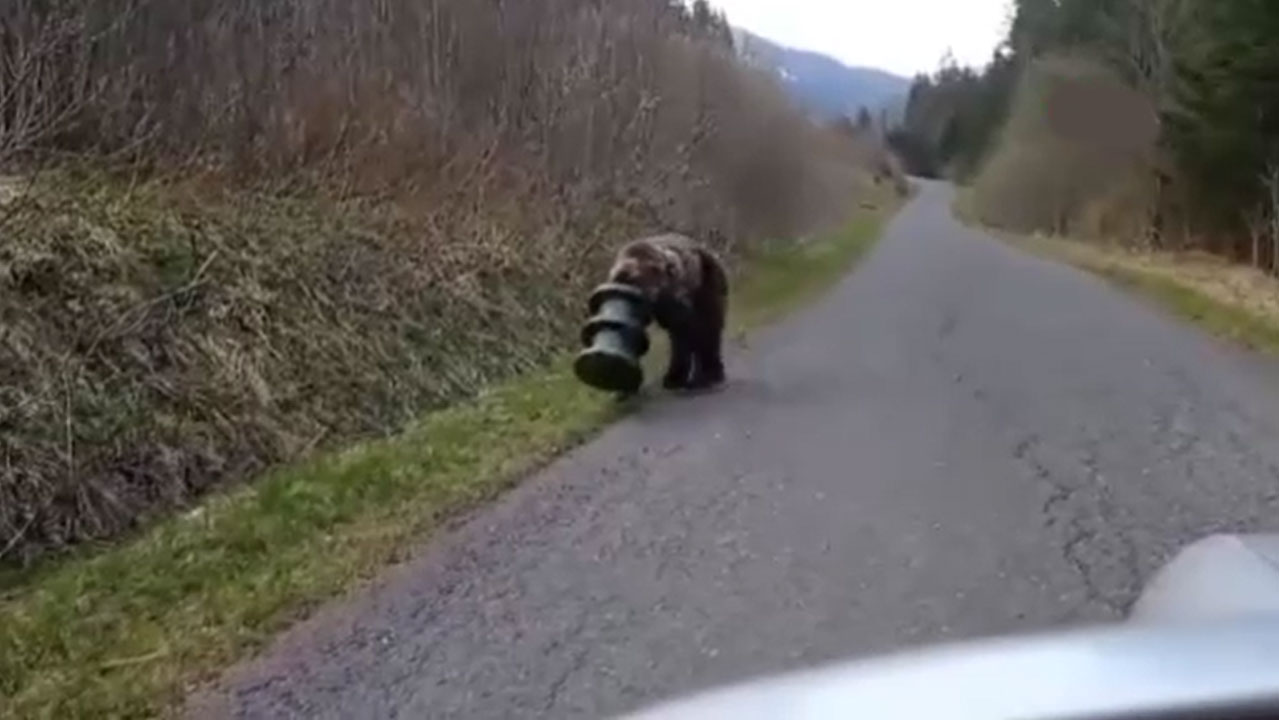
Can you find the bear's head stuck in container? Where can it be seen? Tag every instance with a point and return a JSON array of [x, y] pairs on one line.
[[616, 339]]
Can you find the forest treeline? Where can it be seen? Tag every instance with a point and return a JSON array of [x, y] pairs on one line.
[[1157, 120], [235, 231]]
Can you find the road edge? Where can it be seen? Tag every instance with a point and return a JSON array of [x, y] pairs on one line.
[[1129, 271]]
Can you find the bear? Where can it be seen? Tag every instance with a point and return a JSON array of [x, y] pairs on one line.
[[687, 286]]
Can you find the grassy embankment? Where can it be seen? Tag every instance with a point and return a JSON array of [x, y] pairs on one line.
[[123, 632]]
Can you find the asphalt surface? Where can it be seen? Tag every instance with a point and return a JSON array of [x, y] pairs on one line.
[[959, 440]]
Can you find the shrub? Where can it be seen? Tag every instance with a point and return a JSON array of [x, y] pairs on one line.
[[259, 227], [1075, 155]]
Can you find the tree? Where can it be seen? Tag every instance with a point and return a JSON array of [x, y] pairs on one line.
[[953, 116], [1207, 68], [712, 24], [864, 121], [1222, 120]]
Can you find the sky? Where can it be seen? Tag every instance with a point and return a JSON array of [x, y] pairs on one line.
[[901, 36]]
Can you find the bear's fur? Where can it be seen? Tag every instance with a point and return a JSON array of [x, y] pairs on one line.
[[688, 288]]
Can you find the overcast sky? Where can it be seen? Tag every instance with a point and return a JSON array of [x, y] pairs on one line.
[[901, 36]]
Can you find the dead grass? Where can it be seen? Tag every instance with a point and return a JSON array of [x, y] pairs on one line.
[[1231, 301], [323, 219], [1248, 289], [126, 631], [158, 340]]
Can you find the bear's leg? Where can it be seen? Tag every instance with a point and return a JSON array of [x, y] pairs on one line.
[[708, 339], [681, 362], [677, 320], [708, 356]]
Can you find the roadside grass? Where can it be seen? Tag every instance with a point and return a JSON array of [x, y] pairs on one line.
[[1230, 301], [779, 283], [128, 630]]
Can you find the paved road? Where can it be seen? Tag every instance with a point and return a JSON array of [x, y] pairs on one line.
[[959, 440]]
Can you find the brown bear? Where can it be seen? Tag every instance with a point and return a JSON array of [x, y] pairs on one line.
[[688, 288]]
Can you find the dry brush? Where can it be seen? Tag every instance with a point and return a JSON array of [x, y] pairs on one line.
[[234, 231]]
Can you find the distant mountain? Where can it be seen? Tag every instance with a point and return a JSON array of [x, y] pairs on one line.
[[823, 85]]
